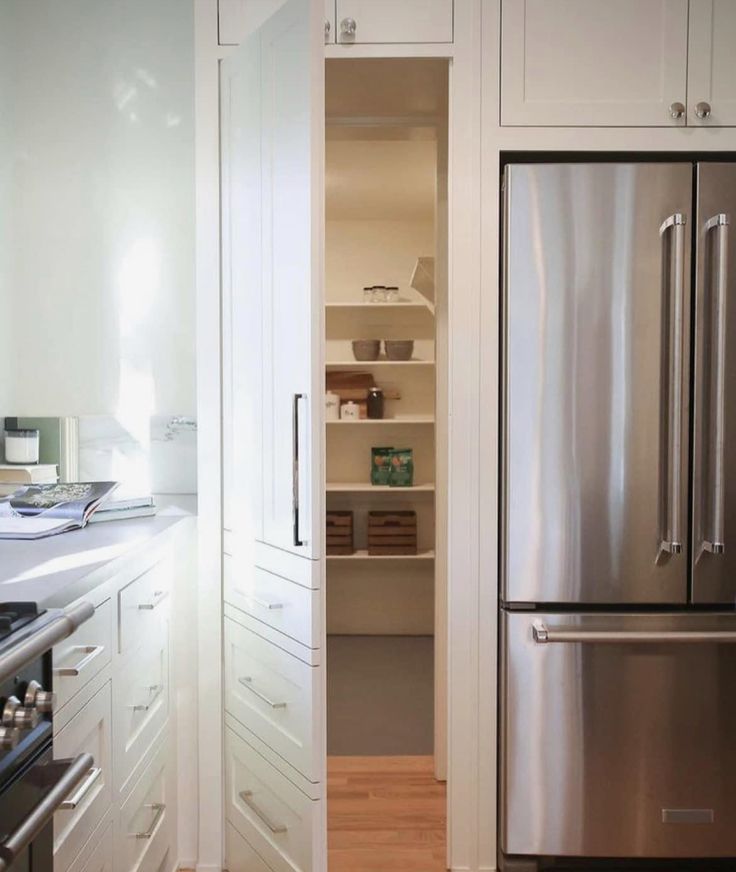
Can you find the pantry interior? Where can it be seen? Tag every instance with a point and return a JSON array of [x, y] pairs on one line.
[[386, 225]]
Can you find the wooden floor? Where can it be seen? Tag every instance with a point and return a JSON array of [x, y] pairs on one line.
[[385, 813]]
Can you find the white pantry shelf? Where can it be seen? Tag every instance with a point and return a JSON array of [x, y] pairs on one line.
[[354, 487], [360, 306], [363, 554], [365, 422], [366, 364]]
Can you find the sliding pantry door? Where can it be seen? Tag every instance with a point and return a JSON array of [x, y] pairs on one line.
[[272, 118]]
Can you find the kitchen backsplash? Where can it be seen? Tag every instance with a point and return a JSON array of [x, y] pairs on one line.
[[160, 456]]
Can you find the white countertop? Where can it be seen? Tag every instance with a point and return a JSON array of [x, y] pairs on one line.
[[58, 570]]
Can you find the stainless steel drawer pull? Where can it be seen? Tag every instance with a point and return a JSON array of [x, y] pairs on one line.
[[247, 797], [671, 541], [543, 635], [156, 690], [247, 681], [257, 601], [158, 808], [84, 788], [91, 652], [158, 597], [715, 542]]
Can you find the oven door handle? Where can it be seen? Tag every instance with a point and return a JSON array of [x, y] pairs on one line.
[[15, 843]]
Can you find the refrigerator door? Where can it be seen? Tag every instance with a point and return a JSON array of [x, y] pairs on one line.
[[617, 735], [596, 399], [714, 436]]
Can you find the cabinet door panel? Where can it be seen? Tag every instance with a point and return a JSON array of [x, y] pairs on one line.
[[593, 62], [712, 62], [272, 194], [386, 21]]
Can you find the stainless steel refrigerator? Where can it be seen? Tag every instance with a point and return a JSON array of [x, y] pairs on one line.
[[618, 513]]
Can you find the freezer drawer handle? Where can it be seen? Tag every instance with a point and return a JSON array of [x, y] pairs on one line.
[[672, 538], [543, 635], [714, 543]]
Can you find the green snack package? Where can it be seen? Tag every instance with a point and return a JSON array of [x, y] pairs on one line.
[[380, 465], [402, 467]]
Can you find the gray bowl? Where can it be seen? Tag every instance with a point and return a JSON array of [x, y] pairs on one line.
[[366, 349], [399, 349]]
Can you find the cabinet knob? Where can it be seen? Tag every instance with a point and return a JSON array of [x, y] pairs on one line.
[[348, 27], [328, 28], [677, 110], [702, 110]]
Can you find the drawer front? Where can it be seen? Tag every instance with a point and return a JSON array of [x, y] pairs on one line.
[[79, 658], [97, 856], [147, 819], [239, 856], [89, 731], [280, 822], [386, 21], [140, 705], [287, 607], [275, 695], [142, 603]]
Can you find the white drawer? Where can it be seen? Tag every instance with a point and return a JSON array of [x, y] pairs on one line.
[[281, 823], [147, 819], [80, 657], [287, 607], [140, 705], [96, 856], [141, 605], [275, 695], [89, 731], [239, 856]]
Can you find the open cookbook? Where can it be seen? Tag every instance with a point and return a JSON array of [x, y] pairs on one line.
[[40, 510]]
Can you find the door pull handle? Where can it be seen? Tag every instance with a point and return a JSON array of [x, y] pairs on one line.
[[247, 797]]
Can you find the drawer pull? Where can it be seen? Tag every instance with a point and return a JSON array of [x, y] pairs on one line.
[[84, 788], [257, 601], [247, 797], [159, 808], [156, 690], [91, 652], [247, 682], [158, 597]]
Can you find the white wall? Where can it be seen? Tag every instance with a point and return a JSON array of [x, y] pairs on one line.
[[102, 208]]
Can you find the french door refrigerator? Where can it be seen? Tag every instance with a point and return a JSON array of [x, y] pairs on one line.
[[618, 514]]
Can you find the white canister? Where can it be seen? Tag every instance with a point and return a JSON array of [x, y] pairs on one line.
[[350, 411], [21, 446], [332, 406]]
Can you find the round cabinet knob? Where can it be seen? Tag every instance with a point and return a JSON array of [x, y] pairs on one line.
[[677, 110], [37, 698], [702, 110], [348, 27], [9, 738]]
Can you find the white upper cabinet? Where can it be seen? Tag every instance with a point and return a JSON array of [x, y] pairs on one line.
[[272, 111], [238, 18], [711, 83], [387, 21], [595, 62]]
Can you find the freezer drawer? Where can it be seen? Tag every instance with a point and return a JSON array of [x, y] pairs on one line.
[[617, 735]]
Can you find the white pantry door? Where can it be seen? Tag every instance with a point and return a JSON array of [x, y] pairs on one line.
[[272, 135]]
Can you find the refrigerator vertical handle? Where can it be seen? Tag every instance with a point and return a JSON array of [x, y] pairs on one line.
[[714, 542], [672, 539]]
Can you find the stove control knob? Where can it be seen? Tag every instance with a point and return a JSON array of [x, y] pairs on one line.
[[37, 698], [15, 715], [9, 738]]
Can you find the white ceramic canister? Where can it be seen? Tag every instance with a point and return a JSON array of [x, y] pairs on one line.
[[21, 446], [350, 411], [332, 406]]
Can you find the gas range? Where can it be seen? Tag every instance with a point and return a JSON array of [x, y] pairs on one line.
[[32, 784]]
